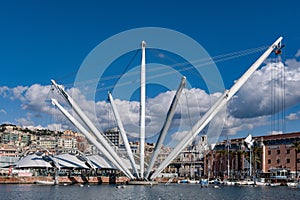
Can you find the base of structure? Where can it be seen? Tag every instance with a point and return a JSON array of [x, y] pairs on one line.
[[143, 183]]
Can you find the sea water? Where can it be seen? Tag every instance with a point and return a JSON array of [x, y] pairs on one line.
[[172, 191]]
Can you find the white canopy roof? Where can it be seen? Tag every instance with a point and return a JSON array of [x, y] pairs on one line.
[[70, 161], [100, 162], [67, 161], [32, 161]]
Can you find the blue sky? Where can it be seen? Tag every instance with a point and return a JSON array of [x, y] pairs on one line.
[[43, 40]]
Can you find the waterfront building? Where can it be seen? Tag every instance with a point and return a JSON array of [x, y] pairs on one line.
[[83, 145], [279, 153], [47, 142], [272, 156], [190, 162], [114, 136], [8, 155], [134, 147]]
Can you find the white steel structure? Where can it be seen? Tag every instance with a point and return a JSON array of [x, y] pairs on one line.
[[166, 126], [94, 130], [110, 153], [142, 109], [211, 113], [123, 134], [89, 136]]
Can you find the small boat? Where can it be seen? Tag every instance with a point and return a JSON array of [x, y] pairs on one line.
[[193, 181], [183, 181], [245, 182], [121, 186], [274, 184], [204, 183], [230, 182], [292, 184], [45, 182], [258, 183]]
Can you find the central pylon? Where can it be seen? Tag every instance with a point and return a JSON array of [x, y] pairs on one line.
[[142, 109]]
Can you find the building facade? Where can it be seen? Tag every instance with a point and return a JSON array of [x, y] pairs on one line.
[[270, 155]]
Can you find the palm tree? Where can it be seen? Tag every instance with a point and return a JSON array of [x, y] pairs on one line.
[[296, 145], [257, 151]]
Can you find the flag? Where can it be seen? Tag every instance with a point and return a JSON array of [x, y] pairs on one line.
[[249, 141], [228, 143]]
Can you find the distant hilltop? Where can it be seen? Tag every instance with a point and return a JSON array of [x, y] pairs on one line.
[[19, 139], [18, 129]]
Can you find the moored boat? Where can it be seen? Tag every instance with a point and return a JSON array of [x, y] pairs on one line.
[[204, 183], [259, 183], [292, 184], [45, 182], [193, 181]]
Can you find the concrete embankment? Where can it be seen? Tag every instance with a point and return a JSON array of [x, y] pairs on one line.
[[62, 179]]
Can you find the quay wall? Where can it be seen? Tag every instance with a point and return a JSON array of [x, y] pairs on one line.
[[62, 179]]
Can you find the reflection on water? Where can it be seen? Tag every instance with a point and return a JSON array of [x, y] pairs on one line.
[[172, 191]]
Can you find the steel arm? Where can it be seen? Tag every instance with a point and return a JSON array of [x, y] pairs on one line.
[[166, 125], [123, 133], [208, 116], [88, 135], [91, 126]]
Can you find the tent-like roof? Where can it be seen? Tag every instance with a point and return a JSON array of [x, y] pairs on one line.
[[100, 162], [32, 161], [128, 164], [70, 161]]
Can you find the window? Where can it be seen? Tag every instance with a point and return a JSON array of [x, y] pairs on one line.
[[269, 161], [277, 161], [288, 160], [269, 152], [278, 151], [288, 151]]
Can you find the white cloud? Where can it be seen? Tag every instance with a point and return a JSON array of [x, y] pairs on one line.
[[4, 91], [265, 88], [298, 53], [293, 116], [25, 121], [54, 127], [18, 92], [250, 108], [3, 111], [275, 132]]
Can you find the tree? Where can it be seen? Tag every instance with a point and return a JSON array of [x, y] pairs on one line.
[[296, 145]]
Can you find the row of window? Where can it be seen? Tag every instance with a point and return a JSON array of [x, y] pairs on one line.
[[288, 151], [278, 161]]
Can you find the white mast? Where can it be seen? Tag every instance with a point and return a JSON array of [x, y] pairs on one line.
[[91, 126], [89, 136], [166, 125], [142, 109], [123, 133], [228, 160], [211, 113], [250, 142]]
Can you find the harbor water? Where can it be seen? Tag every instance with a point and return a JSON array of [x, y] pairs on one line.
[[172, 191]]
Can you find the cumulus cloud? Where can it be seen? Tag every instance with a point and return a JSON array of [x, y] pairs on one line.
[[273, 84], [275, 132], [293, 116], [298, 53], [249, 108], [25, 121]]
